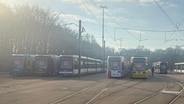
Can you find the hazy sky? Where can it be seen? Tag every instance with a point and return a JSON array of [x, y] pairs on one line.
[[152, 23]]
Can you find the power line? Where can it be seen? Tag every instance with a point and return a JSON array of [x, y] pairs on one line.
[[90, 12], [116, 22], [102, 7], [162, 10], [94, 3], [94, 16], [176, 26], [151, 30], [131, 29]]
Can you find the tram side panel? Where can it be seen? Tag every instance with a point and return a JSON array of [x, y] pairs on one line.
[[179, 67], [69, 65]]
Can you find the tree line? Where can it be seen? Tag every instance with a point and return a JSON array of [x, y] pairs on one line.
[[170, 55], [32, 30]]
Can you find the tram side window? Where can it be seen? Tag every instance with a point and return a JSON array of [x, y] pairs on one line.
[[18, 63], [123, 66], [92, 65], [182, 67], [76, 64], [28, 63], [176, 67], [82, 64]]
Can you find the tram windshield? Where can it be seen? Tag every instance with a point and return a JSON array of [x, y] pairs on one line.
[[41, 62], [114, 64], [163, 66], [139, 66], [18, 62], [66, 63]]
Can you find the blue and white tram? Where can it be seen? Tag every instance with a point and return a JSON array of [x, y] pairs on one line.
[[160, 67], [117, 66], [69, 65], [22, 64]]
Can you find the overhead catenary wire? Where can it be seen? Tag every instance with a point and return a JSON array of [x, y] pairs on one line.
[[131, 29], [116, 21], [90, 12], [149, 30], [176, 25], [95, 17], [128, 30], [162, 10]]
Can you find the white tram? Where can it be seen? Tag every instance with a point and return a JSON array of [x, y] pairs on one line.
[[117, 66], [179, 67]]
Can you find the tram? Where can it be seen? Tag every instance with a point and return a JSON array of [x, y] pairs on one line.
[[46, 64], [117, 66], [179, 67], [69, 65], [138, 66], [22, 64], [160, 67]]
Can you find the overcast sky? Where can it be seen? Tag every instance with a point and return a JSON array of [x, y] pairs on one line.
[[151, 23]]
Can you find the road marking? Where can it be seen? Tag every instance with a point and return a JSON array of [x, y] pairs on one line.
[[171, 92]]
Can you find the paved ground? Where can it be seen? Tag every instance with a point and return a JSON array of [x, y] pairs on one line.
[[91, 89]]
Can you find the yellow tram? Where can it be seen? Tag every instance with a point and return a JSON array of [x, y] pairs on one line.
[[139, 67]]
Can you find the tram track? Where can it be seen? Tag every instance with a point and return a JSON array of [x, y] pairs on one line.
[[177, 96], [177, 93], [97, 97], [165, 92], [148, 97], [87, 90]]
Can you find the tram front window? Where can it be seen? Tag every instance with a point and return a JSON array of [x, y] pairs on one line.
[[114, 64], [162, 66], [66, 64], [139, 66], [18, 62], [41, 63]]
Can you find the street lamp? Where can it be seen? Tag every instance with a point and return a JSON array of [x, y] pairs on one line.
[[103, 41], [81, 30]]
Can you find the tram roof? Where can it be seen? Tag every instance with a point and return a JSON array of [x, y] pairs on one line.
[[139, 57], [179, 63], [115, 56], [22, 55], [120, 57], [82, 57]]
